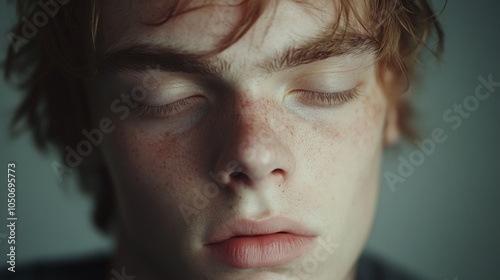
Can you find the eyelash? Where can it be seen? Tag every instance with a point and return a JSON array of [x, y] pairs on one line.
[[328, 98], [167, 110]]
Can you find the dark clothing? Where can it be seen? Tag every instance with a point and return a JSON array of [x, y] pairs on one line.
[[96, 268], [371, 267], [93, 268]]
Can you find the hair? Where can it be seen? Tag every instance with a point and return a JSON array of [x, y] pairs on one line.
[[52, 68]]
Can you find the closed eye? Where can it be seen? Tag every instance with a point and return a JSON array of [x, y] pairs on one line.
[[167, 110], [323, 99]]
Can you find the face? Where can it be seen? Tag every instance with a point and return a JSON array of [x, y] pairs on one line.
[[257, 162]]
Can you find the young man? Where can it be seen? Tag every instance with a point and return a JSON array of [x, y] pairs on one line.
[[223, 139]]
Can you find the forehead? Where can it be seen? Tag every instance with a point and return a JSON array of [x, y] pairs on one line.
[[287, 30], [201, 25]]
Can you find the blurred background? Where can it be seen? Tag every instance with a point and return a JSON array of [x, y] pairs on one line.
[[441, 222]]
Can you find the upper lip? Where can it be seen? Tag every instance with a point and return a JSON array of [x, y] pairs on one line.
[[249, 227]]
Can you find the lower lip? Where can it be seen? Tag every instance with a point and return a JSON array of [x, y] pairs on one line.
[[261, 250]]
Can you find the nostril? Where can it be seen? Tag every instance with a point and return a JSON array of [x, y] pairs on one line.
[[279, 171], [240, 177], [237, 175]]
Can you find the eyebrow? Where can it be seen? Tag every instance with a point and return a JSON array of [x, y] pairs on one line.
[[140, 56], [323, 47]]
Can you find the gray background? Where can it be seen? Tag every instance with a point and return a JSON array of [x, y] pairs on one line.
[[442, 222]]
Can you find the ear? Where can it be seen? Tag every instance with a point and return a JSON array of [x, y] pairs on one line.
[[392, 132], [393, 88]]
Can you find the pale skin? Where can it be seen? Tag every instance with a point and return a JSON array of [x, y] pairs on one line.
[[298, 156]]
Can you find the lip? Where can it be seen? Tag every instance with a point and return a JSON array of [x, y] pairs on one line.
[[245, 243]]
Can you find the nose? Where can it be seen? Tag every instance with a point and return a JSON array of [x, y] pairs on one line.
[[255, 152]]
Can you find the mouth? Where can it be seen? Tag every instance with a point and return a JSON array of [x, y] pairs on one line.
[[245, 243]]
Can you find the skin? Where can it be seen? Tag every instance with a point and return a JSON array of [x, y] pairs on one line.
[[315, 163]]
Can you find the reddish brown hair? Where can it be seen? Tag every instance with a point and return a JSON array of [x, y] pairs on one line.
[[52, 68]]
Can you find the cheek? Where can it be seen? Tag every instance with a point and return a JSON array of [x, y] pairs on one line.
[[343, 152], [138, 155], [152, 174], [345, 156], [365, 139], [368, 124], [354, 133]]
